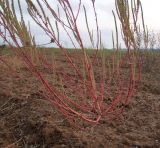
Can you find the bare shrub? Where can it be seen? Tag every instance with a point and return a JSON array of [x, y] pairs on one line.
[[94, 87]]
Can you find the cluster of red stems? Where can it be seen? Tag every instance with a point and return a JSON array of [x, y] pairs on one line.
[[97, 87]]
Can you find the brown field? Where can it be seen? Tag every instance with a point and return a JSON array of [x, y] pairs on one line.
[[28, 120]]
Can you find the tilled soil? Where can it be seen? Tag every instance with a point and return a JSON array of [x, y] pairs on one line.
[[28, 120]]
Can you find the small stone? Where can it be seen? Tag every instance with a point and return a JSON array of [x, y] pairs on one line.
[[157, 141]]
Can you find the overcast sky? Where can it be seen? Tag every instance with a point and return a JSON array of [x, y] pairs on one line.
[[104, 10]]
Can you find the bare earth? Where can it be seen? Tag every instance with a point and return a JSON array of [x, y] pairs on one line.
[[28, 120]]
